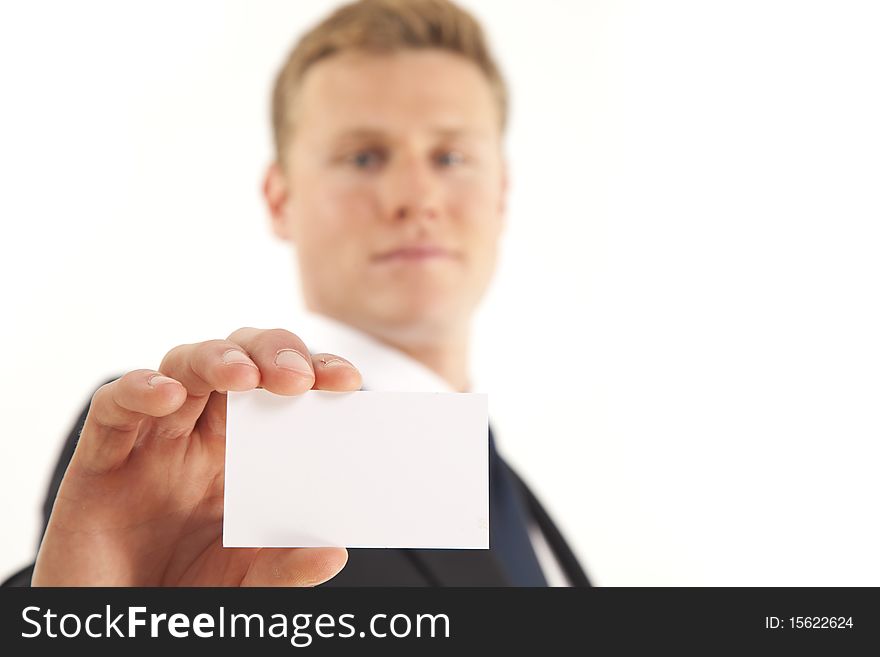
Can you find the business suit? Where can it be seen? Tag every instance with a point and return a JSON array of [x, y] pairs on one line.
[[389, 567]]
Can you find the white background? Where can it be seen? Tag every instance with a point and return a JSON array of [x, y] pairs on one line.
[[681, 347]]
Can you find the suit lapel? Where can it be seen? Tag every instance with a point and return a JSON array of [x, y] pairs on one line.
[[398, 567], [459, 567]]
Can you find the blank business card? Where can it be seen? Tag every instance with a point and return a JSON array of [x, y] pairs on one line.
[[357, 469]]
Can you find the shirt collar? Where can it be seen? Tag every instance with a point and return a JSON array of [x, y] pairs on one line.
[[382, 367]]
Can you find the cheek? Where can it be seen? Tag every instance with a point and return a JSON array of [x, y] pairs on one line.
[[475, 206], [334, 220]]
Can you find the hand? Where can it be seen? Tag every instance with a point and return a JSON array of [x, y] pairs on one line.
[[141, 503]]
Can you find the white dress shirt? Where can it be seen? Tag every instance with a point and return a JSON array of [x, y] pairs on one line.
[[383, 367]]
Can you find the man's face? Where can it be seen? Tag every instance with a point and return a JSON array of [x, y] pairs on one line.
[[393, 191]]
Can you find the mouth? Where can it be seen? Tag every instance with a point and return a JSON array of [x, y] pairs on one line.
[[417, 253]]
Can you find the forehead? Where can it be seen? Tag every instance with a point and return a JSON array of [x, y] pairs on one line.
[[396, 93]]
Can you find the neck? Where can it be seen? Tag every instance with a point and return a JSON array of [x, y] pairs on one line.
[[446, 358]]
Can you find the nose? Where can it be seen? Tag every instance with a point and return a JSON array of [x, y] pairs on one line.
[[411, 190]]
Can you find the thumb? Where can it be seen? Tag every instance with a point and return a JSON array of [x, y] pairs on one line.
[[294, 566]]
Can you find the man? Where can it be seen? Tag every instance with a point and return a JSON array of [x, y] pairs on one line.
[[390, 184]]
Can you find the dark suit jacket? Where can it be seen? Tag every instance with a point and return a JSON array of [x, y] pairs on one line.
[[386, 567]]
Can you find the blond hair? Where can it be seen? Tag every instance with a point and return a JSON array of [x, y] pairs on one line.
[[383, 26]]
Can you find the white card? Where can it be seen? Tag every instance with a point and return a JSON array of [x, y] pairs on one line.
[[357, 469]]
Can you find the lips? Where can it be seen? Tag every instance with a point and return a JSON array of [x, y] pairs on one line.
[[415, 253]]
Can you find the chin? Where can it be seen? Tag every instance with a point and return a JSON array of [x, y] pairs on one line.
[[418, 320]]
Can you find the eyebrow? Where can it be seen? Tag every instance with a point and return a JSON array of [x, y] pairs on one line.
[[374, 133]]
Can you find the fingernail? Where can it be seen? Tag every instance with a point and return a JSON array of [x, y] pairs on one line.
[[159, 380], [290, 359], [335, 362], [231, 356]]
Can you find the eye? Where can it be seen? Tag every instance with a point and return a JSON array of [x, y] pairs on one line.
[[367, 158], [450, 158]]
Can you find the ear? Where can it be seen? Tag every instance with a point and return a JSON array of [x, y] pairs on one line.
[[276, 192]]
